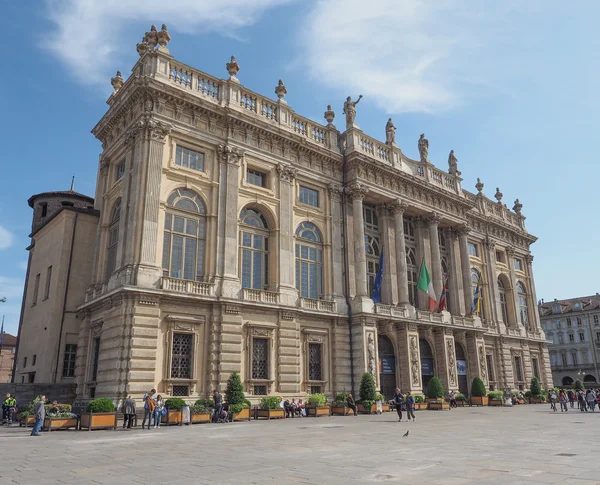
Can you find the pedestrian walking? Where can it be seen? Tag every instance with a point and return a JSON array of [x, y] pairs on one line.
[[9, 407], [158, 409], [581, 401], [149, 404], [218, 400], [39, 411], [128, 409], [591, 400], [452, 399], [553, 399], [562, 397], [399, 401], [410, 406], [571, 396]]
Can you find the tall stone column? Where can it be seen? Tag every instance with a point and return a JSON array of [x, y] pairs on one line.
[[446, 358], [510, 252], [423, 253], [231, 157], [389, 290], [133, 185], [454, 284], [433, 222], [494, 295], [398, 208], [357, 193], [476, 354], [409, 356], [337, 247], [287, 288], [534, 316], [149, 270], [465, 265]]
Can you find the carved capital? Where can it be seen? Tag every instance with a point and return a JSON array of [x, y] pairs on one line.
[[104, 165], [398, 207], [529, 259], [286, 173], [433, 219], [510, 251], [490, 245], [335, 191], [463, 230], [232, 155], [357, 191]]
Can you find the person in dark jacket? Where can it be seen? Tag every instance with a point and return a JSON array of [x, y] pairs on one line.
[[399, 402], [410, 406], [218, 400], [128, 412], [351, 404], [39, 411]]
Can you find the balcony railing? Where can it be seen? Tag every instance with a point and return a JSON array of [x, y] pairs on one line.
[[186, 286], [318, 305], [261, 296], [391, 310]]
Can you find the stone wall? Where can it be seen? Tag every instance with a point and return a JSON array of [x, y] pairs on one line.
[[24, 393]]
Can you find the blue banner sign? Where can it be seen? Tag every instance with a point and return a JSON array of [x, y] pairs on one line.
[[427, 367], [387, 364], [461, 367]]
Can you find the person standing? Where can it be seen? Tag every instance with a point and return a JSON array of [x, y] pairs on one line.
[[352, 404], [553, 400], [410, 406], [581, 401], [149, 405], [128, 412], [218, 400], [571, 397], [452, 399], [158, 408], [39, 411], [591, 400], [562, 397], [399, 401], [8, 408]]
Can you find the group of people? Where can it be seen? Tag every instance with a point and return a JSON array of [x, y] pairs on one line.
[[293, 409], [585, 400], [154, 407], [404, 403], [9, 408]]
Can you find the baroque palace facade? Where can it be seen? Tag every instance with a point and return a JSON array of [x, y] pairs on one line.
[[236, 235]]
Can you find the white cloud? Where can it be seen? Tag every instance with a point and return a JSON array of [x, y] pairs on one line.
[[89, 33], [6, 238], [407, 55]]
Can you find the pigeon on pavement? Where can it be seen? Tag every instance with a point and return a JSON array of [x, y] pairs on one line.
[[405, 434]]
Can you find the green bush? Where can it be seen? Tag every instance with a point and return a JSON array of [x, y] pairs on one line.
[[341, 399], [435, 390], [247, 404], [234, 393], [460, 396], [536, 388], [528, 394], [206, 403], [419, 399], [367, 387], [496, 395], [579, 385], [367, 404], [270, 402], [478, 387], [199, 408], [317, 400], [175, 403], [101, 405], [380, 397], [235, 408]]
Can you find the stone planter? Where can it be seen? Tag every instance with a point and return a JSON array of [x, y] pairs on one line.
[[200, 418], [173, 416], [28, 421], [341, 411], [269, 413], [419, 406], [495, 402], [385, 408], [536, 400], [461, 404], [316, 412], [479, 401], [438, 406], [92, 421], [362, 410], [52, 424], [243, 415]]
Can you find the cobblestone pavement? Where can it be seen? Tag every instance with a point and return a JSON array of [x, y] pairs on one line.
[[524, 444]]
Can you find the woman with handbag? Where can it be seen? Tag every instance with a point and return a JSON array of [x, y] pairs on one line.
[[158, 410]]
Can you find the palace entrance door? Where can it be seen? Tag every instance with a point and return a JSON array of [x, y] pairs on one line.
[[387, 366]]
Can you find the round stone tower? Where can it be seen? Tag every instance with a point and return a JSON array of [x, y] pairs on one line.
[[47, 204]]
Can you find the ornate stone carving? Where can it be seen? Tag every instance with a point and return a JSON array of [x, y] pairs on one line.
[[482, 362], [232, 309], [142, 47], [281, 91], [163, 36], [335, 191], [315, 338], [286, 173], [498, 195], [148, 300], [433, 219], [386, 328], [371, 353], [287, 315], [231, 154], [232, 68], [490, 245], [357, 191], [518, 207], [414, 361], [261, 331], [463, 230], [423, 146], [479, 185], [453, 164], [151, 38], [451, 362], [329, 115], [104, 165], [510, 251], [398, 206], [157, 130], [117, 81], [529, 258], [350, 110], [390, 132]]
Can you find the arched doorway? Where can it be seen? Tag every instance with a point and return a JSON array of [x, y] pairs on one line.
[[427, 362], [589, 380], [461, 369], [387, 366], [567, 381]]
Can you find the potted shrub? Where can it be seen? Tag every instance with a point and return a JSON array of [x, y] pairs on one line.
[[237, 404], [367, 394], [496, 398], [317, 405], [201, 411], [478, 393], [26, 417], [420, 403], [536, 393], [59, 416], [339, 407], [461, 399], [578, 385], [173, 414], [269, 408], [101, 414], [435, 395]]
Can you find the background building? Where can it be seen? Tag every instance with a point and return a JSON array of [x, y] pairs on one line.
[[8, 346], [573, 328], [236, 235]]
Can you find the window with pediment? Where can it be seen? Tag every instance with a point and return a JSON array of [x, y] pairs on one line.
[[309, 261], [113, 239], [254, 249]]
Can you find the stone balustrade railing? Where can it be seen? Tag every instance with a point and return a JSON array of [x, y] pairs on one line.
[[495, 210], [194, 80], [186, 286], [261, 296], [317, 305]]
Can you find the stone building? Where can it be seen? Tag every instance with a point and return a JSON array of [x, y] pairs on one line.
[[8, 345], [572, 327], [237, 235]]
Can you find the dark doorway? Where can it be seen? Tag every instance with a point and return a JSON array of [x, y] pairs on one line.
[[387, 366], [427, 363], [461, 369]]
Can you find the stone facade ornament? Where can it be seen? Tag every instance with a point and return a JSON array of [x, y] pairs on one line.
[[232, 68], [498, 195], [398, 206], [518, 207], [329, 115], [281, 91], [357, 191], [335, 191], [350, 110], [231, 154], [286, 173], [390, 133], [158, 130], [117, 81], [151, 38], [479, 185], [163, 36], [451, 362], [482, 363], [453, 164], [142, 47], [423, 148], [414, 362], [371, 353]]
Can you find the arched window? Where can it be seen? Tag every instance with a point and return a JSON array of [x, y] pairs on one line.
[[113, 239], [477, 282], [254, 249], [184, 236], [372, 246], [567, 381], [309, 261], [411, 260], [522, 297], [503, 304]]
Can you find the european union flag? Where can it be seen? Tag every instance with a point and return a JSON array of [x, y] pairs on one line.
[[376, 293]]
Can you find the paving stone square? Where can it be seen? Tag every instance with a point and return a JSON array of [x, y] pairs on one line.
[[519, 445]]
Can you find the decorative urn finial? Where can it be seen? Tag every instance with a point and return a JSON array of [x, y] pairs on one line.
[[117, 81], [498, 195], [329, 115], [479, 185], [280, 91], [142, 47], [517, 207], [163, 36], [151, 38], [232, 68]]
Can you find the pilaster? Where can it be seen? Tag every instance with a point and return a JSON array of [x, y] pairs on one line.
[[389, 288], [337, 248], [492, 278], [454, 283], [230, 344], [446, 359], [340, 358], [288, 354], [465, 265], [362, 303], [409, 357], [433, 222], [513, 283], [398, 208], [287, 287]]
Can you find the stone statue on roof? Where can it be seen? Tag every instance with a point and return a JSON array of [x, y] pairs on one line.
[[423, 147], [350, 110], [390, 132], [453, 164]]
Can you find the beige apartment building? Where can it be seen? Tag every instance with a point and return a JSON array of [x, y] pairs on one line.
[[235, 234]]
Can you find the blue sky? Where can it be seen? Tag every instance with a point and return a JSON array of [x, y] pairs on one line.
[[511, 88]]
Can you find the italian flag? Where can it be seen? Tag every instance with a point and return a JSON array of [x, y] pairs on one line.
[[426, 285]]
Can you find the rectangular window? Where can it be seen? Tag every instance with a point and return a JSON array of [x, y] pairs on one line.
[[518, 369], [69, 360], [36, 289], [574, 358], [568, 321], [260, 390], [315, 389], [571, 337], [596, 319], [579, 321], [48, 281], [179, 391], [597, 336], [31, 378], [120, 170], [315, 372], [473, 249], [189, 159], [257, 178], [500, 256], [260, 358], [181, 360], [581, 337], [95, 358], [518, 264], [535, 368], [34, 360], [24, 362], [564, 359], [557, 323], [309, 196], [490, 367]]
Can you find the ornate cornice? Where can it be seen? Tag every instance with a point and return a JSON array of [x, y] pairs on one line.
[[286, 173], [357, 191], [398, 206]]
